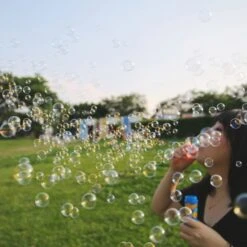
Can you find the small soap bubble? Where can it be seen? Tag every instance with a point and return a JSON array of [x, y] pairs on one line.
[[26, 90], [197, 109], [216, 180], [185, 212], [195, 176], [221, 107], [205, 15], [244, 107], [128, 65], [40, 176], [235, 123], [141, 199], [212, 110], [111, 177], [168, 154], [133, 198], [239, 163], [157, 234], [74, 213], [177, 177], [42, 200], [41, 155], [138, 217], [110, 198], [149, 170], [23, 177], [81, 177], [7, 130], [88, 201], [208, 162], [176, 196], [66, 209], [58, 108], [172, 216], [240, 206]]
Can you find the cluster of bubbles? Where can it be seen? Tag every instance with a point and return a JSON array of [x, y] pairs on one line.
[[61, 144]]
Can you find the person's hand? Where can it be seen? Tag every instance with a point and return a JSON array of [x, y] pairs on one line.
[[198, 234], [183, 157]]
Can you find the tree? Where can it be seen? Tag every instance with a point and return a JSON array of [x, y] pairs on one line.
[[125, 104]]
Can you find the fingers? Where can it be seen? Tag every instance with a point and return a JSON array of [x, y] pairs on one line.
[[192, 223], [185, 236], [184, 228]]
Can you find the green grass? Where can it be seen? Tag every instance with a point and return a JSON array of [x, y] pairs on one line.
[[23, 224]]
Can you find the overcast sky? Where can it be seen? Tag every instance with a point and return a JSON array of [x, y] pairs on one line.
[[92, 49]]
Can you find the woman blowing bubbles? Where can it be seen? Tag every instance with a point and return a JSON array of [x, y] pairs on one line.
[[218, 226]]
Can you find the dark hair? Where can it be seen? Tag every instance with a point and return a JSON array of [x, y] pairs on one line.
[[237, 177]]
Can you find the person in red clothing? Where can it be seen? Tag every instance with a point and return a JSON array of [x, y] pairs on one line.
[[217, 225]]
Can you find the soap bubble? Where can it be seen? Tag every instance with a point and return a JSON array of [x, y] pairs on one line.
[[138, 217], [197, 109], [221, 107], [168, 154], [128, 65], [58, 108], [40, 176], [133, 198], [66, 209], [81, 177], [7, 130], [215, 138], [204, 139], [23, 177], [111, 177], [14, 121], [216, 180], [177, 177], [176, 196], [74, 213], [235, 123], [110, 198], [239, 163], [240, 206], [205, 15], [185, 212], [49, 181], [212, 110], [172, 216], [88, 200], [149, 170], [42, 200], [195, 176], [194, 66], [26, 167], [96, 188], [244, 107], [26, 90], [141, 199], [208, 162], [41, 155], [157, 234]]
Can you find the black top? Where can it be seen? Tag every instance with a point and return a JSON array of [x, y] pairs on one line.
[[230, 227]]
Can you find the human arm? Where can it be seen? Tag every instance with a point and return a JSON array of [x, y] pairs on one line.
[[180, 161]]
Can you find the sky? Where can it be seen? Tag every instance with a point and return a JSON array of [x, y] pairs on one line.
[[89, 50]]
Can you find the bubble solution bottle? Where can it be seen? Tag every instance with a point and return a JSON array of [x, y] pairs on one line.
[[191, 202]]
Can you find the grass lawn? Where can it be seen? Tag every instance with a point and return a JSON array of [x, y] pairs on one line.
[[24, 224]]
